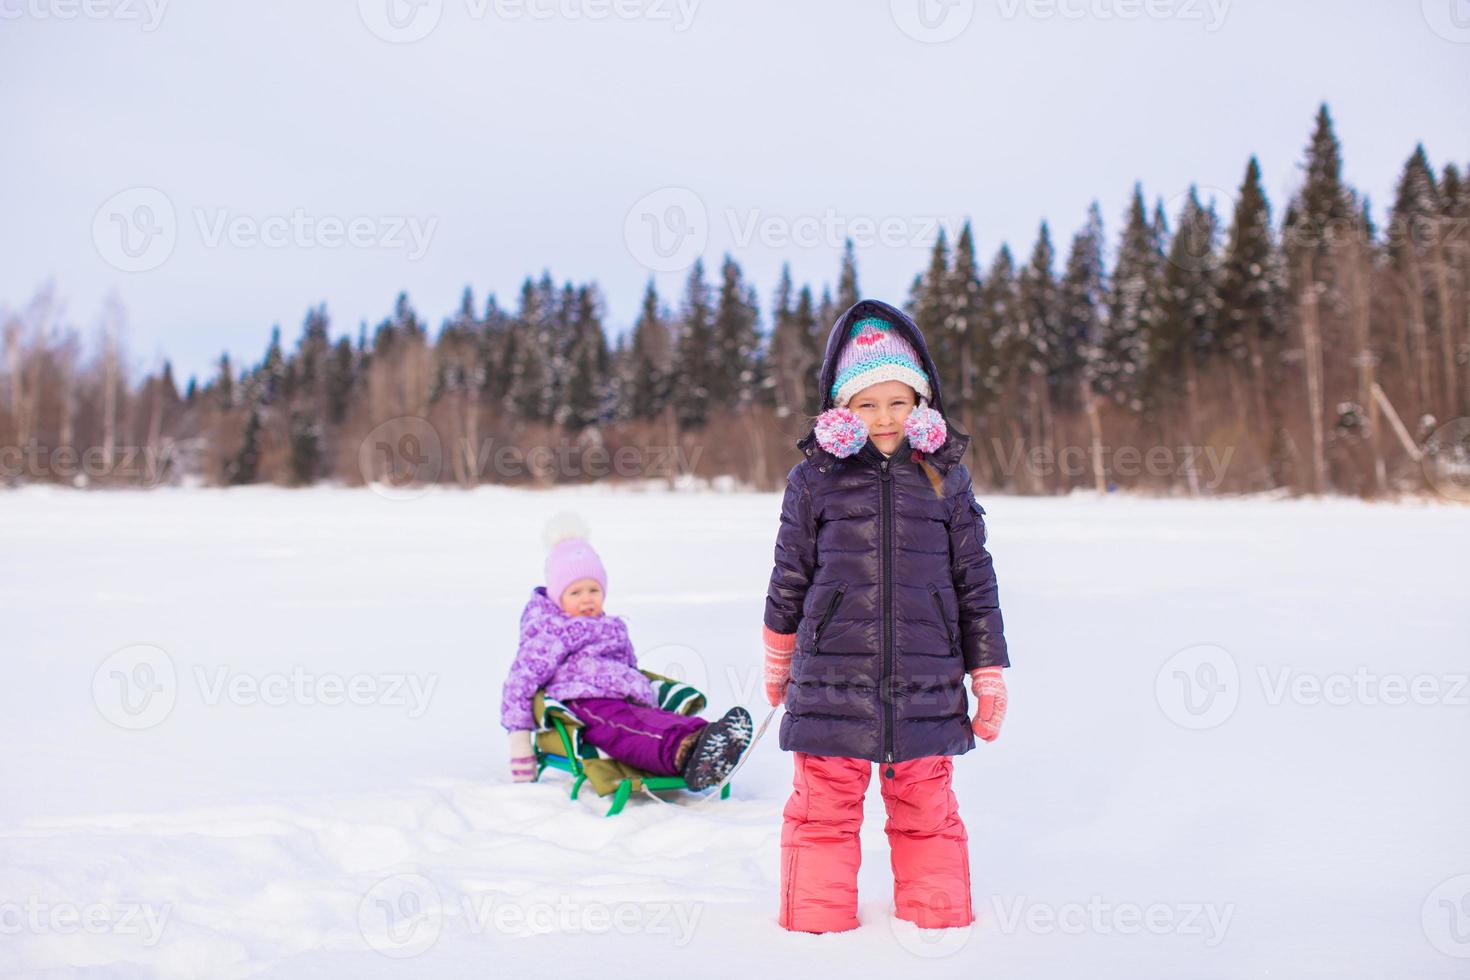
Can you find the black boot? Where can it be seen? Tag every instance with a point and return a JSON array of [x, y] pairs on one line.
[[717, 748]]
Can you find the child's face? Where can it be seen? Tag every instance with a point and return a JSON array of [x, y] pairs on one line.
[[883, 407], [582, 598]]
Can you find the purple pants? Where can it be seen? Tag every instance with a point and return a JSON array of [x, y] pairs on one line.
[[633, 733]]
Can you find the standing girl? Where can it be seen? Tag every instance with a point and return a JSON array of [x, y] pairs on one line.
[[881, 604]]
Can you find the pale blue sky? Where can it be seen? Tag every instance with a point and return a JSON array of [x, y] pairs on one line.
[[523, 134]]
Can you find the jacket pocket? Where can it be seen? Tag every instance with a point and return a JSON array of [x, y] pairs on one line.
[[943, 616], [826, 618]]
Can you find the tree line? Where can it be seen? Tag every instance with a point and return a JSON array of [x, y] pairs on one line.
[[1219, 349]]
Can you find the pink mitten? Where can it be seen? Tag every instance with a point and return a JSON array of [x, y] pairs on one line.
[[779, 647], [990, 697], [522, 758]]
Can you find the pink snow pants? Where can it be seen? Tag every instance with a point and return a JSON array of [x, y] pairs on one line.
[[820, 853]]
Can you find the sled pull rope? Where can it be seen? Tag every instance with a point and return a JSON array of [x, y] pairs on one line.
[[749, 751]]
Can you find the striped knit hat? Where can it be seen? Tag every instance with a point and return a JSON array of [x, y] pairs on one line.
[[876, 352]]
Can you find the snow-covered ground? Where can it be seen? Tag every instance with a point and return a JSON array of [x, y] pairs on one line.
[[255, 732]]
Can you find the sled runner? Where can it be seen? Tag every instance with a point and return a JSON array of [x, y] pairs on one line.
[[558, 744]]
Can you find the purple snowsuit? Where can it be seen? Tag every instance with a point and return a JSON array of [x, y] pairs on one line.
[[587, 663]]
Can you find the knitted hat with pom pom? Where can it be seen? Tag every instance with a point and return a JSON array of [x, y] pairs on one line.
[[569, 556], [875, 352]]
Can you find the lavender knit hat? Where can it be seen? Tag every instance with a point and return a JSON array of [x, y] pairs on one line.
[[569, 556], [875, 352]]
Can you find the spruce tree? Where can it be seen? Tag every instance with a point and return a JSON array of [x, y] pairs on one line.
[[528, 359], [1133, 307], [695, 367], [1001, 343], [1082, 314], [650, 386], [955, 357], [1250, 283], [847, 279], [1186, 332], [244, 466], [1040, 319], [929, 303], [736, 373], [587, 380]]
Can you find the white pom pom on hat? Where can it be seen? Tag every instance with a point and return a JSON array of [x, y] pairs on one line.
[[566, 524]]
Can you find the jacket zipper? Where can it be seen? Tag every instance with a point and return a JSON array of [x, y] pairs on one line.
[[826, 618], [938, 602], [885, 687]]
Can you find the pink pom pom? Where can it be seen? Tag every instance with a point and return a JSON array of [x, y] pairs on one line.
[[926, 429], [840, 432]]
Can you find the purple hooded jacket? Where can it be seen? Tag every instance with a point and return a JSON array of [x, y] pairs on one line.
[[572, 657], [888, 588]]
